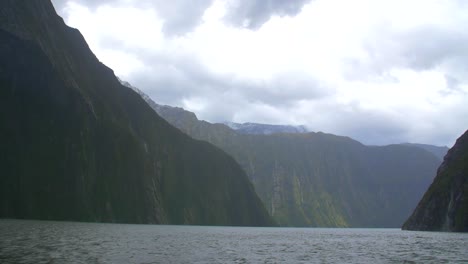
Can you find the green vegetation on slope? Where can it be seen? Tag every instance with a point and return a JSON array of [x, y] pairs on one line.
[[317, 179], [77, 145]]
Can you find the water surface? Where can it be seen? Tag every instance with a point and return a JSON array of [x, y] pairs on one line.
[[71, 242]]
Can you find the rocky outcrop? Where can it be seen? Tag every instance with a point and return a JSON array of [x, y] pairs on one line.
[[444, 206]]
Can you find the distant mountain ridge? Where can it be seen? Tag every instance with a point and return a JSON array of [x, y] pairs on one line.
[[318, 179], [77, 145], [444, 207], [265, 129], [439, 151]]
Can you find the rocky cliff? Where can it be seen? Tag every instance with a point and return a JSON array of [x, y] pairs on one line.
[[444, 206]]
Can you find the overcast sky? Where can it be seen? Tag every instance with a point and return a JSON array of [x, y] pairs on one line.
[[381, 72]]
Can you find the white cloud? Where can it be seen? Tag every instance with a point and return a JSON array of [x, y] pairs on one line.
[[379, 71]]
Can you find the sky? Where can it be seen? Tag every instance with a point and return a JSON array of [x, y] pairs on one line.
[[379, 71]]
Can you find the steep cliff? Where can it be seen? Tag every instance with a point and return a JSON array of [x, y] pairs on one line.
[[77, 145], [444, 206]]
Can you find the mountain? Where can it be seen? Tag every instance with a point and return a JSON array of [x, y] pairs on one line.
[[78, 145], [318, 179], [264, 129], [439, 151], [444, 207]]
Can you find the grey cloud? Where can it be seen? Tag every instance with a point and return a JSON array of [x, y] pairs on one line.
[[421, 48], [222, 109], [283, 90], [253, 14], [453, 85], [185, 76], [172, 79], [180, 16], [368, 127], [428, 47], [375, 127], [60, 4]]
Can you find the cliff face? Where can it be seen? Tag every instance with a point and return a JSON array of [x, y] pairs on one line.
[[318, 179], [77, 145], [444, 206]]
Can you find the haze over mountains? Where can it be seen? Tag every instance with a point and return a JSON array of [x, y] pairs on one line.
[[77, 145], [318, 179]]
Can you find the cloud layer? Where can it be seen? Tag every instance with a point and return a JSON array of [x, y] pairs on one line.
[[379, 71], [253, 14]]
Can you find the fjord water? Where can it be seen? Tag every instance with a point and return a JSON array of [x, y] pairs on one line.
[[70, 242]]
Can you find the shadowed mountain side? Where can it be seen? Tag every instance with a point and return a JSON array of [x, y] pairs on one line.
[[77, 145], [318, 179], [444, 206]]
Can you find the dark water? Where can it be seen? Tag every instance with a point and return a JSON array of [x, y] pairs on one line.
[[69, 242]]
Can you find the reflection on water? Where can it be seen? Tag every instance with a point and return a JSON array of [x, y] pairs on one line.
[[70, 242]]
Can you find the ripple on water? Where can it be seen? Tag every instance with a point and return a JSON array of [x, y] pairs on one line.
[[69, 242]]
